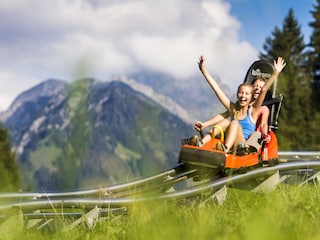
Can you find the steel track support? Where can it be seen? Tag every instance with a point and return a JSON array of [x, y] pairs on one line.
[[90, 218], [218, 197], [33, 222], [269, 184], [315, 178], [45, 223]]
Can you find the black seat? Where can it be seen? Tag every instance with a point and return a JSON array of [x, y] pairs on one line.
[[264, 69], [274, 105], [260, 68]]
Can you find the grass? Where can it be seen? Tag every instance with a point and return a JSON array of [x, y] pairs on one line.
[[289, 212]]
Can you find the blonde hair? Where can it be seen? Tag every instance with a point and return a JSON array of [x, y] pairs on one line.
[[246, 85], [237, 107]]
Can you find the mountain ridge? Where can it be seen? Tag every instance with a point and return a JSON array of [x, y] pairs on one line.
[[89, 132]]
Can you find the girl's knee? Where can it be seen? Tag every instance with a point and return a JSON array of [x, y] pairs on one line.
[[234, 124]]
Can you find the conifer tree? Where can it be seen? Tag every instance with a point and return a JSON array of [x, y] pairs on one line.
[[314, 54], [9, 170], [314, 63], [295, 130]]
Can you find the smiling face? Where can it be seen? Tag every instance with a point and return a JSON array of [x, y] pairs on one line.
[[245, 94], [257, 85]]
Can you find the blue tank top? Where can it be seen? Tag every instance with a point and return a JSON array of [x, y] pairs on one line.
[[248, 126]]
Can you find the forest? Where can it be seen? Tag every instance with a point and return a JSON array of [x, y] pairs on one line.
[[299, 83]]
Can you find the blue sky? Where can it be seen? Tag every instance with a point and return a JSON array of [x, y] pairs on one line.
[[105, 38], [259, 18]]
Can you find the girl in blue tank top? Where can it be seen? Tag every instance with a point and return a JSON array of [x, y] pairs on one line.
[[248, 125]]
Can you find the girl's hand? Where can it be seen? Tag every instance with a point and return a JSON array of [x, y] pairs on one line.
[[266, 138], [279, 64], [201, 63], [198, 126]]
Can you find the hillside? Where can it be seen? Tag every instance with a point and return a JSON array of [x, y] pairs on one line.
[[90, 133]]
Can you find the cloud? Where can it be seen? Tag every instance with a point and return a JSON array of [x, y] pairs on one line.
[[100, 38], [12, 83]]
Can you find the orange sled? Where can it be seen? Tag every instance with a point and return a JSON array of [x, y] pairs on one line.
[[208, 156]]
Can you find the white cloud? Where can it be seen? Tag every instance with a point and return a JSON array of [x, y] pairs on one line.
[[11, 84], [99, 38]]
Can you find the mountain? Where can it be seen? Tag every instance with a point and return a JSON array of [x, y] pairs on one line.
[[89, 133], [193, 94]]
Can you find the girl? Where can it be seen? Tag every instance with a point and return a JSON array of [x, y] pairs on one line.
[[222, 120]]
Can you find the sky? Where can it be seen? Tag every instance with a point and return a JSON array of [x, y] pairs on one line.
[[70, 39]]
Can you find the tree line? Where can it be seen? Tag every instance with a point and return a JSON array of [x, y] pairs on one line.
[[299, 82]]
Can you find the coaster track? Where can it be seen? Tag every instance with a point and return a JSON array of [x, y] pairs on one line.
[[180, 184]]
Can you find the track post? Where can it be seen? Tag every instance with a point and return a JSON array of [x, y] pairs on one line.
[[218, 197], [269, 184]]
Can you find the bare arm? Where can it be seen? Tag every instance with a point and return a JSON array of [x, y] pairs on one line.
[[215, 119], [213, 84], [264, 119], [279, 64]]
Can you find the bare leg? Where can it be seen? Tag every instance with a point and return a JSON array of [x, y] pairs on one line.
[[224, 124], [234, 135], [215, 131], [206, 138]]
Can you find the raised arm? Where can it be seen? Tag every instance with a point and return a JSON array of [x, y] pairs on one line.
[[278, 64], [213, 84]]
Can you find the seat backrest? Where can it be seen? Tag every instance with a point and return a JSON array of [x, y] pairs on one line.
[[274, 105], [264, 69], [260, 68]]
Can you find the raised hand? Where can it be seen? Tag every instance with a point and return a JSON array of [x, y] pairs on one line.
[[201, 63], [279, 64]]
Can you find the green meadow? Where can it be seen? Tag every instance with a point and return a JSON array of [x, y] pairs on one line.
[[289, 212]]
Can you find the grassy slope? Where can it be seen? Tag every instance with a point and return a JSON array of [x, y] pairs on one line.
[[289, 212]]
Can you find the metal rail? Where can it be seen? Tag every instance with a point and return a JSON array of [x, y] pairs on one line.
[[104, 191], [39, 209], [87, 203], [299, 155], [147, 183]]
